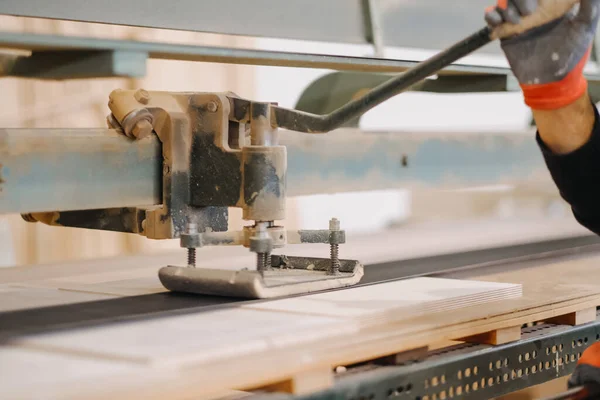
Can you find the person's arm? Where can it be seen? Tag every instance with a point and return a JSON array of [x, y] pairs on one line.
[[548, 62], [570, 142], [566, 129]]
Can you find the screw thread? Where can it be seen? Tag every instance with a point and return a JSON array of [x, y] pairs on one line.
[[334, 251], [263, 261], [260, 262], [192, 257]]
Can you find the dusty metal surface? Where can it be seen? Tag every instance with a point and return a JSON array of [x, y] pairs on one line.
[[40, 166], [73, 169]]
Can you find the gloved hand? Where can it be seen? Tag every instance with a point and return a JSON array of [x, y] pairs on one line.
[[548, 61], [587, 372]]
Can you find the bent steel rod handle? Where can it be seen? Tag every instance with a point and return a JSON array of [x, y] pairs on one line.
[[300, 121]]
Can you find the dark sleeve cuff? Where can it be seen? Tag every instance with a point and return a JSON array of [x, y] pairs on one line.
[[577, 176]]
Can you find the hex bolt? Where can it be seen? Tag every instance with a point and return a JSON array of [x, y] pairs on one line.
[[142, 96], [190, 240], [141, 129], [334, 248], [262, 244], [212, 106]]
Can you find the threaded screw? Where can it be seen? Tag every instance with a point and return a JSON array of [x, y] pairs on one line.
[[260, 262], [335, 259], [189, 242], [191, 257], [334, 249], [263, 261]]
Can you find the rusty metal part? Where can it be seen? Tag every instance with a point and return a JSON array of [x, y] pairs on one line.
[[141, 129], [264, 170], [173, 116], [138, 123]]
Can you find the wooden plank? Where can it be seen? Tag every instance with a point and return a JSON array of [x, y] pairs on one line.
[[43, 373], [497, 336], [198, 338], [575, 318], [551, 288], [404, 357], [303, 383], [201, 339], [408, 298]]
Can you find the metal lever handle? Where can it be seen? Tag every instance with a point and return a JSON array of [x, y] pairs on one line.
[[313, 123], [299, 121]]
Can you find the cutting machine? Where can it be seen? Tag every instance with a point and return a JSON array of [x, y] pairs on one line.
[[220, 151], [170, 165]]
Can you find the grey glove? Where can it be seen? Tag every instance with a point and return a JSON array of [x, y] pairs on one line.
[[548, 60]]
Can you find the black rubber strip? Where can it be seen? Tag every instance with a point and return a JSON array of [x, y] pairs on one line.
[[14, 324]]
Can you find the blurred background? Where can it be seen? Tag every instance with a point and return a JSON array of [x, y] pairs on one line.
[[31, 104]]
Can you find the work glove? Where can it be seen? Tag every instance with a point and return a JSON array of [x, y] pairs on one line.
[[587, 372], [548, 60]]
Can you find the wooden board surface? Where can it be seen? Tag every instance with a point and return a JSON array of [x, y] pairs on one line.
[[409, 298], [181, 357], [135, 275]]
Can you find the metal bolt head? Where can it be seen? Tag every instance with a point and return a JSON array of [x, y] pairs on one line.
[[190, 240], [212, 106], [261, 244], [142, 96], [141, 129], [334, 224]]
